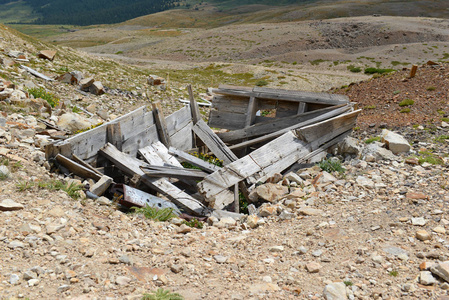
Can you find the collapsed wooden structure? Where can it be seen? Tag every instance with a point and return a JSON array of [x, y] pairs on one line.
[[268, 131]]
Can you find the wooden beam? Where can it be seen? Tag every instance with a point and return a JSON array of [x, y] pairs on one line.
[[86, 165], [196, 116], [215, 187], [131, 166], [251, 112], [301, 108], [173, 172], [214, 143], [76, 168], [274, 125], [294, 127], [114, 135], [160, 124], [203, 165]]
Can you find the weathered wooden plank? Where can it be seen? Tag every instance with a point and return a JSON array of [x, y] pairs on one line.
[[174, 172], [183, 138], [140, 140], [114, 135], [204, 165], [226, 120], [295, 96], [215, 186], [162, 151], [230, 104], [302, 107], [86, 165], [86, 144], [251, 112], [150, 155], [178, 120], [131, 166], [161, 125], [76, 168], [196, 116], [286, 109], [272, 125], [293, 127], [213, 142], [314, 132]]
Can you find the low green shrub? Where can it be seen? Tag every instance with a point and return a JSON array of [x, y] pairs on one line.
[[154, 213], [331, 165], [43, 94]]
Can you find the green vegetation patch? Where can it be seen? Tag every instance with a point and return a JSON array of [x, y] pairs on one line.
[[194, 223], [354, 69], [378, 71], [71, 189], [405, 110], [154, 213], [43, 94], [331, 165], [406, 102], [441, 138], [161, 294], [372, 140]]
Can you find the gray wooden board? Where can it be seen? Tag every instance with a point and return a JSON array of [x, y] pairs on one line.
[[295, 96], [271, 125], [136, 128], [183, 139], [273, 135], [313, 132], [230, 104], [213, 142], [226, 120], [204, 165], [162, 151], [77, 168], [131, 166], [215, 186], [161, 125], [174, 172]]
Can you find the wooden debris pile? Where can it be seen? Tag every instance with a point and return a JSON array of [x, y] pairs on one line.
[[262, 132]]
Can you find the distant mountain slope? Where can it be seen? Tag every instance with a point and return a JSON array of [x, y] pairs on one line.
[[87, 12]]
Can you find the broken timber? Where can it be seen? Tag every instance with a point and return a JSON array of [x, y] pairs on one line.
[[271, 158], [131, 166]]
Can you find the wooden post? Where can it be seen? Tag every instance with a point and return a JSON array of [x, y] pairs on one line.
[[196, 116], [114, 135], [413, 71], [251, 112], [236, 198], [160, 124], [302, 107]]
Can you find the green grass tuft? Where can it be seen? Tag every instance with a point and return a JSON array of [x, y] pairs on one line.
[[43, 94], [378, 71], [161, 294], [194, 223], [405, 110], [154, 213], [406, 102], [373, 139], [331, 165]]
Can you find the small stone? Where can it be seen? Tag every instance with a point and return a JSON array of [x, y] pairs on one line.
[[33, 282], [403, 257], [313, 267], [276, 249], [426, 278], [252, 220], [426, 265], [103, 201], [439, 229], [423, 235], [306, 211], [335, 291], [47, 54], [417, 196], [63, 288], [441, 270], [27, 275], [125, 259], [16, 244], [10, 205], [378, 259], [396, 143], [122, 280], [302, 250], [220, 259], [176, 268], [317, 253], [418, 221], [183, 229], [14, 279]]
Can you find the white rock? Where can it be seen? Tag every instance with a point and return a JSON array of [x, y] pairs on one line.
[[418, 221], [335, 291], [396, 143], [9, 205], [426, 278]]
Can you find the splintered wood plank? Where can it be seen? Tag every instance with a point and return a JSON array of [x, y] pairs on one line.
[[277, 94], [150, 155], [273, 135], [203, 165], [114, 135], [215, 187], [161, 125], [196, 116], [272, 125], [162, 151], [174, 172], [131, 167], [314, 132], [213, 142], [77, 168]]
